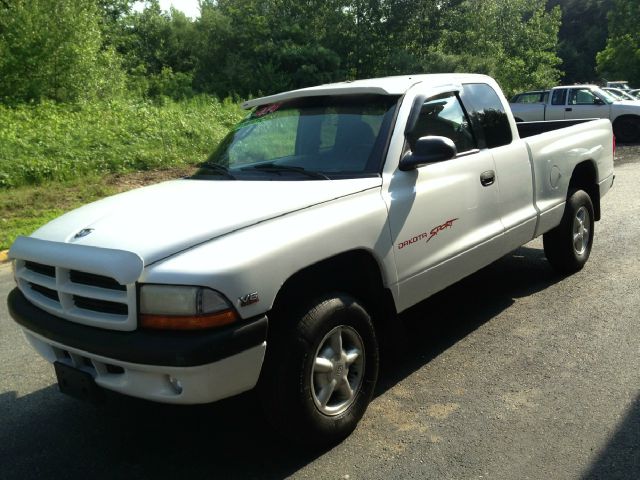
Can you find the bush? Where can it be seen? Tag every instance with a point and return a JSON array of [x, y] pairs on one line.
[[51, 141]]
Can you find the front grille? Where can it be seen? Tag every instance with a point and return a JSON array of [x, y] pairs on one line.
[[100, 305], [47, 270], [85, 278], [82, 297], [47, 292]]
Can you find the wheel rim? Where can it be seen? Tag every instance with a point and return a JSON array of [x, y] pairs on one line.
[[581, 233], [338, 370]]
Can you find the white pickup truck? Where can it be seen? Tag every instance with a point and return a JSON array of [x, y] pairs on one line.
[[322, 215], [584, 101]]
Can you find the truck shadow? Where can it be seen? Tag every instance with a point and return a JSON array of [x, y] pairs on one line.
[[434, 325], [620, 459], [48, 435]]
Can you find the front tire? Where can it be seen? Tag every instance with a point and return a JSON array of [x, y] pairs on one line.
[[320, 371], [568, 246], [627, 129]]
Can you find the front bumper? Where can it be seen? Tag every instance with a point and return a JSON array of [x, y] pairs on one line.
[[168, 367]]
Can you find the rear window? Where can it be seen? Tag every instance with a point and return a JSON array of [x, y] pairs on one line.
[[530, 97]]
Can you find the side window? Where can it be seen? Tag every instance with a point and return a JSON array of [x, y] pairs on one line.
[[443, 116], [488, 113], [581, 96], [559, 96], [528, 98]]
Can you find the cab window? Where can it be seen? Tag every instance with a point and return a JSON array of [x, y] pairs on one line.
[[487, 114], [443, 116], [559, 96], [581, 96]]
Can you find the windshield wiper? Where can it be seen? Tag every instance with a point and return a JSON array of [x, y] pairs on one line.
[[272, 167], [217, 168]]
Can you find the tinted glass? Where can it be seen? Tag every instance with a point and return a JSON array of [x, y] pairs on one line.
[[559, 96], [604, 96], [335, 136], [443, 116], [581, 96], [486, 111], [530, 97]]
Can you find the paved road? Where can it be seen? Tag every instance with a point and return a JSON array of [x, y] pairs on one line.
[[512, 373]]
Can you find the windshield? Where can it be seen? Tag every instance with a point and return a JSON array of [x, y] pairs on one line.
[[624, 95], [604, 95], [307, 138]]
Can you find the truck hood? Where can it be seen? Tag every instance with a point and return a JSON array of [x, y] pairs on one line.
[[157, 221]]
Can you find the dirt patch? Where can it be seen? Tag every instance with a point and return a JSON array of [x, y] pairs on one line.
[[129, 181], [627, 153], [442, 411]]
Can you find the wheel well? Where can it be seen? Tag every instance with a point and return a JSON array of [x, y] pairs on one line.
[[627, 117], [585, 177], [355, 272]]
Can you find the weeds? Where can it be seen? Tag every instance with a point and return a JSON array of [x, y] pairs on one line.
[[50, 142]]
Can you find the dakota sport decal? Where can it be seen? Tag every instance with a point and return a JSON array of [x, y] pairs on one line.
[[428, 235]]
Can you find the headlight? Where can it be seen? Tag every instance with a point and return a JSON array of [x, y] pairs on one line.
[[172, 307]]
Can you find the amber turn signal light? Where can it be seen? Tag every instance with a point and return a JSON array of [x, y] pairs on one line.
[[188, 322]]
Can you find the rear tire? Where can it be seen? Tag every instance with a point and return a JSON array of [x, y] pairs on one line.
[[320, 370], [568, 246], [627, 129]]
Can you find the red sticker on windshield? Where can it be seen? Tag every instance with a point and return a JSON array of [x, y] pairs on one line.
[[266, 110]]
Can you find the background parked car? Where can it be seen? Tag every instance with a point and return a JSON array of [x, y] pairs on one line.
[[621, 94], [622, 84], [584, 101], [535, 96]]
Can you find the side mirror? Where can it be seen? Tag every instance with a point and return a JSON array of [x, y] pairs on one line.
[[598, 101], [426, 150]]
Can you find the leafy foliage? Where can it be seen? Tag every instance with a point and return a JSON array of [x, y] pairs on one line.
[[620, 60], [515, 41], [59, 57], [45, 142], [582, 34], [249, 47]]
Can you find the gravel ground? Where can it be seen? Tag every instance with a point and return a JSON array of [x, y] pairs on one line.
[[511, 373]]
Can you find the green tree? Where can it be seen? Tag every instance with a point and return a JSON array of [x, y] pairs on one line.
[[515, 41], [252, 46], [582, 34], [56, 56], [621, 57]]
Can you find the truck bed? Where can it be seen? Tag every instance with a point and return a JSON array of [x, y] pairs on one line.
[[528, 129]]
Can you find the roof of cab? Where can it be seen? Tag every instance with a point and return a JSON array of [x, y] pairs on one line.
[[397, 85], [577, 85]]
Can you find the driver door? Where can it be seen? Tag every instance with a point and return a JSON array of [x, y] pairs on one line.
[[583, 103], [444, 217]]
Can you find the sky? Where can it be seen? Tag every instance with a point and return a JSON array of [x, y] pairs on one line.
[[189, 7]]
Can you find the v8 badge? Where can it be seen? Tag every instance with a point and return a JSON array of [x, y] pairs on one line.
[[249, 299]]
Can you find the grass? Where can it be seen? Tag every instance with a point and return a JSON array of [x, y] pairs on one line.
[[24, 209], [57, 142], [56, 157]]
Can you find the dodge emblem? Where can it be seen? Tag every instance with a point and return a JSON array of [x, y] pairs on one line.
[[83, 233]]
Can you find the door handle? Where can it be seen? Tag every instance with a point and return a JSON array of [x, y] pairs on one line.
[[568, 109], [487, 178]]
